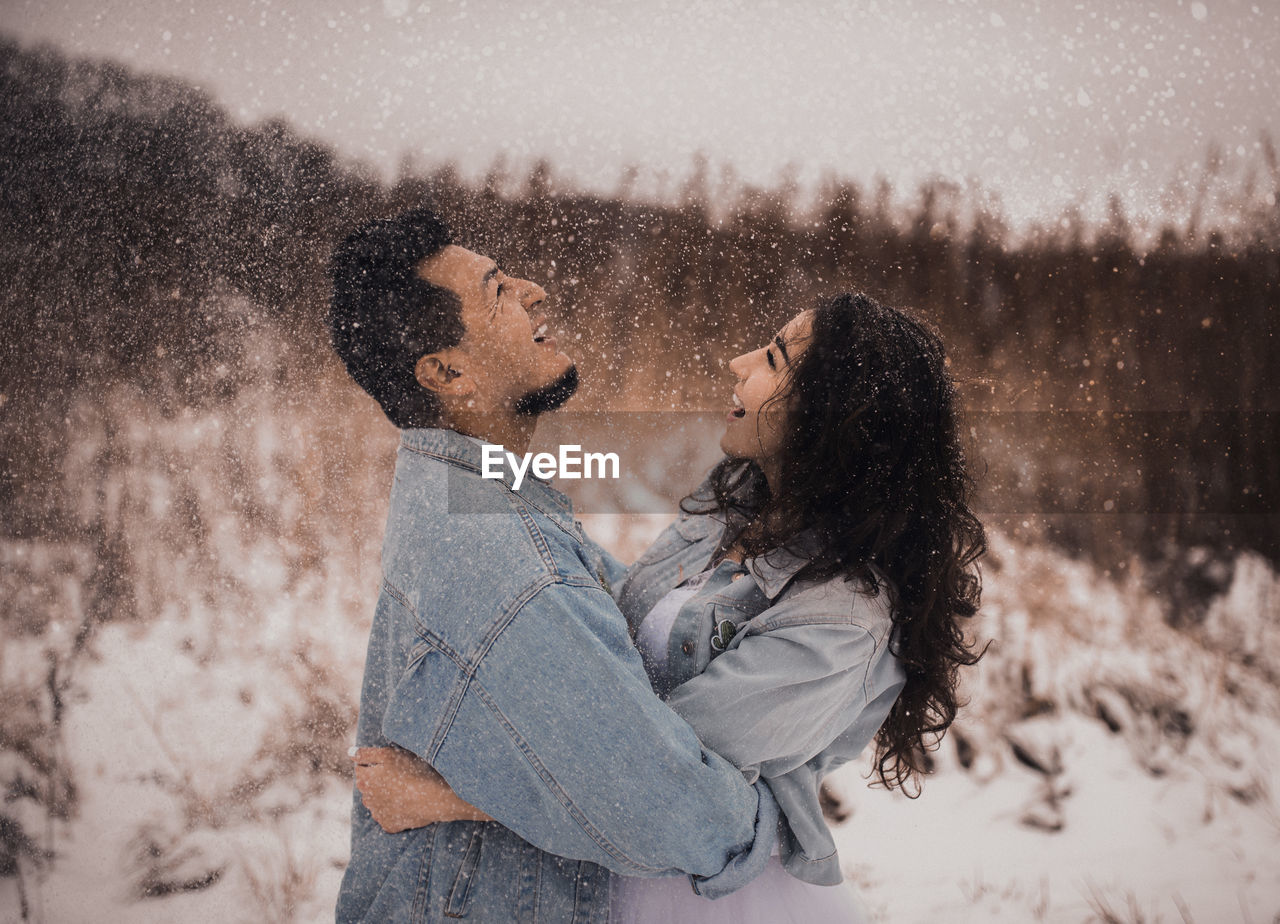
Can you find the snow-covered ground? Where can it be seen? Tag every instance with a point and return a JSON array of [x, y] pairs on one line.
[[1171, 816], [1109, 767]]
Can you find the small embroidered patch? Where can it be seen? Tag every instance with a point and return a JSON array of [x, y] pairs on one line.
[[725, 631]]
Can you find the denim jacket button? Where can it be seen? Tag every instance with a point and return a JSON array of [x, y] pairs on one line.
[[687, 647], [736, 576]]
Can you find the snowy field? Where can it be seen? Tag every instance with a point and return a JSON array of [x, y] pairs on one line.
[[188, 666]]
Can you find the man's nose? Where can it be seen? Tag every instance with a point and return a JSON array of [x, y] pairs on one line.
[[531, 293]]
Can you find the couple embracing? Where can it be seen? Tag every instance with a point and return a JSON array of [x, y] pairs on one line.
[[548, 735]]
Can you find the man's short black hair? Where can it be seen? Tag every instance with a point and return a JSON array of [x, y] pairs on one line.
[[383, 317]]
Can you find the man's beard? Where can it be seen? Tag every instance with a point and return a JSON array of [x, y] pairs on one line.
[[549, 397]]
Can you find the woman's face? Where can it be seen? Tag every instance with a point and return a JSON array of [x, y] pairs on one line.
[[756, 431]]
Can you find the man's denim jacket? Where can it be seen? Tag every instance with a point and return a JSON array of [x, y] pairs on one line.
[[786, 676], [497, 656]]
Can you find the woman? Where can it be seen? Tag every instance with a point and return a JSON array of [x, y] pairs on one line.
[[843, 496]]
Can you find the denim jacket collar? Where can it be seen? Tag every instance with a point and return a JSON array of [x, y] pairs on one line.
[[465, 452], [774, 569]]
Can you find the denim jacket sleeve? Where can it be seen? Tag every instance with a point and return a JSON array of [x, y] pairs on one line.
[[552, 729], [607, 568], [780, 697]]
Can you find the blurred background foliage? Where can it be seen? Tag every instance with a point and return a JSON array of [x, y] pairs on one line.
[[135, 211]]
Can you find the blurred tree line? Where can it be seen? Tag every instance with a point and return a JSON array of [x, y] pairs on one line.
[[1104, 373]]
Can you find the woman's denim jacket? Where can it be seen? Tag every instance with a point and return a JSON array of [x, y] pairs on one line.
[[785, 676], [497, 656]]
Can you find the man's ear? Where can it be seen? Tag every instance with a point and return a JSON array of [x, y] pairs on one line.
[[442, 373]]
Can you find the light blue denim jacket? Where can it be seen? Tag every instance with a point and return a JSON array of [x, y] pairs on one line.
[[496, 655], [786, 676]]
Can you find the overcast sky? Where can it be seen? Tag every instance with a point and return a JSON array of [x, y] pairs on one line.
[[1045, 102]]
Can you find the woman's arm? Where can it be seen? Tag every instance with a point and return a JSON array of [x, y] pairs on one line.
[[782, 696], [402, 791]]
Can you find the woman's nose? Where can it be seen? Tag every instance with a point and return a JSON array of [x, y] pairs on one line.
[[737, 365]]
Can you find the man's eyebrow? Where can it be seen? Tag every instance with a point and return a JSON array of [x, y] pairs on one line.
[[783, 347], [487, 278]]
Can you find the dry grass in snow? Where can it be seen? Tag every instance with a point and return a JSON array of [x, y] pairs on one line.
[[181, 672]]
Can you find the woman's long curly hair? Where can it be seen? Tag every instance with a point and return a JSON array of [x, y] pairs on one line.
[[871, 465]]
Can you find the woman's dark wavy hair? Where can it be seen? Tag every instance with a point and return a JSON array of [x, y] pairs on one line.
[[872, 465]]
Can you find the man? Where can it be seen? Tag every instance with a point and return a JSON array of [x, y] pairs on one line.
[[495, 653]]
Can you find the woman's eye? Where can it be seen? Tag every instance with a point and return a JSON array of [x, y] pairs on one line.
[[769, 356]]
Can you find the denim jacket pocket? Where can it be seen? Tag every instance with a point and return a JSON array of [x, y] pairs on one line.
[[459, 900]]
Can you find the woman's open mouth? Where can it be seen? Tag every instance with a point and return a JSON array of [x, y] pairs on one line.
[[738, 411]]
